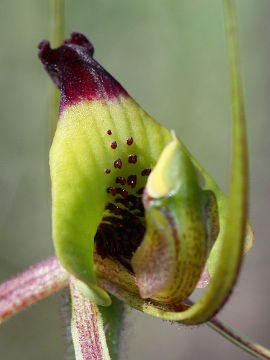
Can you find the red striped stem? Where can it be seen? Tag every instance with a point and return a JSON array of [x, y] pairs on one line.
[[31, 286], [87, 328]]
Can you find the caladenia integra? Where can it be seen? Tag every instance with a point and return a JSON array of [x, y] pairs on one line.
[[133, 212]]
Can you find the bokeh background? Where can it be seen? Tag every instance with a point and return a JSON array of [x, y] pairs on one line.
[[171, 57]]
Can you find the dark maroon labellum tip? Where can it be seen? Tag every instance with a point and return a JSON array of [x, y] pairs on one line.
[[132, 159], [130, 141], [107, 171], [73, 69], [114, 145], [117, 164], [81, 40], [109, 132]]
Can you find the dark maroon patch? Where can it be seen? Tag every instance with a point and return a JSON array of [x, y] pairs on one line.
[[74, 71], [120, 180], [146, 172], [119, 234], [132, 181], [109, 132], [130, 141], [117, 210], [107, 171], [132, 203], [114, 145], [132, 159], [117, 163]]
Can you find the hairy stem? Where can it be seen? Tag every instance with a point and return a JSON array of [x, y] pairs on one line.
[[87, 328], [31, 286], [47, 277], [245, 344]]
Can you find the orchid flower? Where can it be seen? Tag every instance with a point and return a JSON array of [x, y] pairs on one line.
[[127, 196], [134, 214]]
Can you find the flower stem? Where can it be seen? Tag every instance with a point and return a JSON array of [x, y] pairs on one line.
[[57, 22], [87, 328], [57, 36], [31, 286], [245, 344]]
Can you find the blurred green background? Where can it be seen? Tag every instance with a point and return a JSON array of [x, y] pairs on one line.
[[170, 55]]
